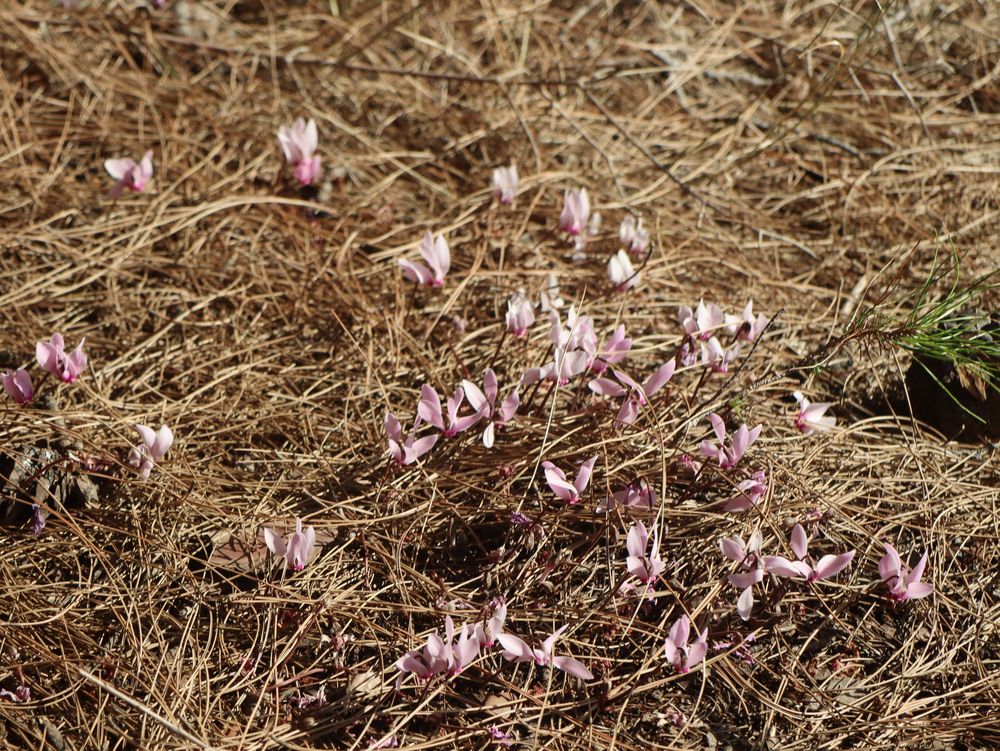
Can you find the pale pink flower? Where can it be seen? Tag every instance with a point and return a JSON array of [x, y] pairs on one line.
[[517, 650], [494, 624], [717, 357], [812, 417], [435, 251], [751, 327], [408, 450], [153, 448], [429, 409], [520, 314], [645, 568], [52, 357], [18, 385], [635, 395], [38, 517], [299, 549], [299, 143], [130, 175], [20, 695], [564, 367], [622, 273], [485, 405], [826, 567], [729, 455], [576, 211], [577, 334], [612, 351], [749, 492], [903, 583], [446, 655], [505, 181], [676, 649], [633, 237], [636, 498], [703, 322], [567, 491], [751, 565]]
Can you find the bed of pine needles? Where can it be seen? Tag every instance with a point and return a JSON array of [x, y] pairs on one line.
[[814, 157]]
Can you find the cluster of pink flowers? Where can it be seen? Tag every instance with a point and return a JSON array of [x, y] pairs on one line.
[[299, 549], [703, 326]]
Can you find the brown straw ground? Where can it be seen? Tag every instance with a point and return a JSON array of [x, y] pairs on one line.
[[805, 155]]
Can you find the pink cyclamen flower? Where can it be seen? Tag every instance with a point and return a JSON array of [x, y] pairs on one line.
[[703, 322], [645, 568], [827, 566], [749, 492], [505, 183], [52, 357], [636, 498], [622, 273], [812, 417], [751, 565], [569, 492], [520, 314], [153, 448], [130, 175], [18, 385], [633, 237], [485, 405], [729, 456], [298, 550], [904, 583], [429, 409], [717, 357], [494, 624], [406, 450], [575, 213], [751, 327], [676, 649], [441, 655], [299, 143], [517, 650], [435, 251], [635, 395], [612, 351]]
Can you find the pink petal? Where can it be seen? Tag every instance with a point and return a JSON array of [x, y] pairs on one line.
[[831, 565], [744, 605], [584, 473], [573, 667], [799, 542], [415, 272], [515, 649]]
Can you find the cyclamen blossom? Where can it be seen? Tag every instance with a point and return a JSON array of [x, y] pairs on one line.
[[299, 143], [569, 492], [18, 385], [130, 175], [750, 327], [612, 351], [408, 450], [485, 405], [494, 624], [52, 357], [505, 181], [703, 321], [751, 562], [622, 273], [645, 568], [717, 357], [576, 212], [441, 655], [904, 583], [635, 395], [729, 456], [827, 566], [299, 549], [632, 235], [676, 649], [812, 417], [153, 448], [435, 251], [636, 498], [520, 314], [750, 491], [517, 650], [429, 409]]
